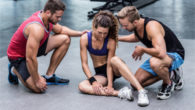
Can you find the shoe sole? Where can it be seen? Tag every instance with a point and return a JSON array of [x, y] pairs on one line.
[[163, 97], [9, 75], [143, 105], [131, 99], [180, 87], [166, 97]]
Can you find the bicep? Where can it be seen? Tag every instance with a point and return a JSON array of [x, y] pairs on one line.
[[83, 50], [157, 37], [36, 33], [111, 50]]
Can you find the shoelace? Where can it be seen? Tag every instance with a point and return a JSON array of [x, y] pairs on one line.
[[142, 94], [122, 93]]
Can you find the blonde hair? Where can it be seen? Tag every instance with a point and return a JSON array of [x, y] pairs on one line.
[[131, 12], [108, 20]]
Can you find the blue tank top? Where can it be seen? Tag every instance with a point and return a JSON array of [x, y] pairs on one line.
[[102, 52]]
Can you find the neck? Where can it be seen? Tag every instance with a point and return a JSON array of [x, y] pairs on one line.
[[44, 19], [140, 25]]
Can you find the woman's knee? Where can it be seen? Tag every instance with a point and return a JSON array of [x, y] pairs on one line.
[[115, 60], [82, 87]]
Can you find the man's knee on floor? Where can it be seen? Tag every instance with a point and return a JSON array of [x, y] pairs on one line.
[[37, 91], [30, 85]]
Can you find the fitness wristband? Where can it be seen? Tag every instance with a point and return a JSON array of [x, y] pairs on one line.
[[91, 80]]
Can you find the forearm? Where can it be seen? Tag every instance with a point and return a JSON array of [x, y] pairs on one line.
[[71, 32], [154, 52], [128, 38], [109, 76], [123, 38], [32, 67], [86, 70]]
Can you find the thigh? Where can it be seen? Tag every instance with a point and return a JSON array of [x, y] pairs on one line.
[[55, 41], [101, 79], [115, 68], [161, 63], [21, 68], [177, 61]]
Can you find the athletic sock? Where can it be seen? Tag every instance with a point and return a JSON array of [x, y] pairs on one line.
[[48, 77], [141, 90], [12, 71]]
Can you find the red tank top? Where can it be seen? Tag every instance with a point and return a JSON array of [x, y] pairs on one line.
[[17, 46]]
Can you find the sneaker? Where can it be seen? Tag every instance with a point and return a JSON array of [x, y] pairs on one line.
[[12, 78], [177, 77], [125, 93], [54, 80], [165, 91], [143, 98]]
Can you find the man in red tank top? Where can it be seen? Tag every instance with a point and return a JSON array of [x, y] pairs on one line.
[[33, 39]]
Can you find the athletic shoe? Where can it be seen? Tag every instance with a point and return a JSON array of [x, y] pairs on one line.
[[177, 77], [125, 93], [12, 78], [165, 91], [143, 98], [54, 80]]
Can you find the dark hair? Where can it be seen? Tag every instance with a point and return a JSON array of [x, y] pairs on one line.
[[54, 5], [107, 19]]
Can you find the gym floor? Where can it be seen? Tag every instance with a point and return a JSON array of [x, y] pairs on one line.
[[177, 14]]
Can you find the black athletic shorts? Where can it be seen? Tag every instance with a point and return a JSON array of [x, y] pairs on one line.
[[20, 63], [102, 71]]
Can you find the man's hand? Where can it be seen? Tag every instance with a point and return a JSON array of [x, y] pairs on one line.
[[83, 32], [138, 52], [109, 90], [41, 84], [97, 87]]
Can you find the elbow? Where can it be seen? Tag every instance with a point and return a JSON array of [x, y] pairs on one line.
[[162, 55], [30, 59]]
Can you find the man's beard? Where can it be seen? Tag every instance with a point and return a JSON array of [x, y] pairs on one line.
[[51, 21], [134, 28]]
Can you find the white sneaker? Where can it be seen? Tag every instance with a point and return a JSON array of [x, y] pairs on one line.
[[125, 93], [143, 98], [177, 77], [180, 83]]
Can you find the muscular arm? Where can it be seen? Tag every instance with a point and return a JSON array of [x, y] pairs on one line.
[[128, 38], [35, 34], [156, 34], [111, 53], [83, 53], [59, 29]]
